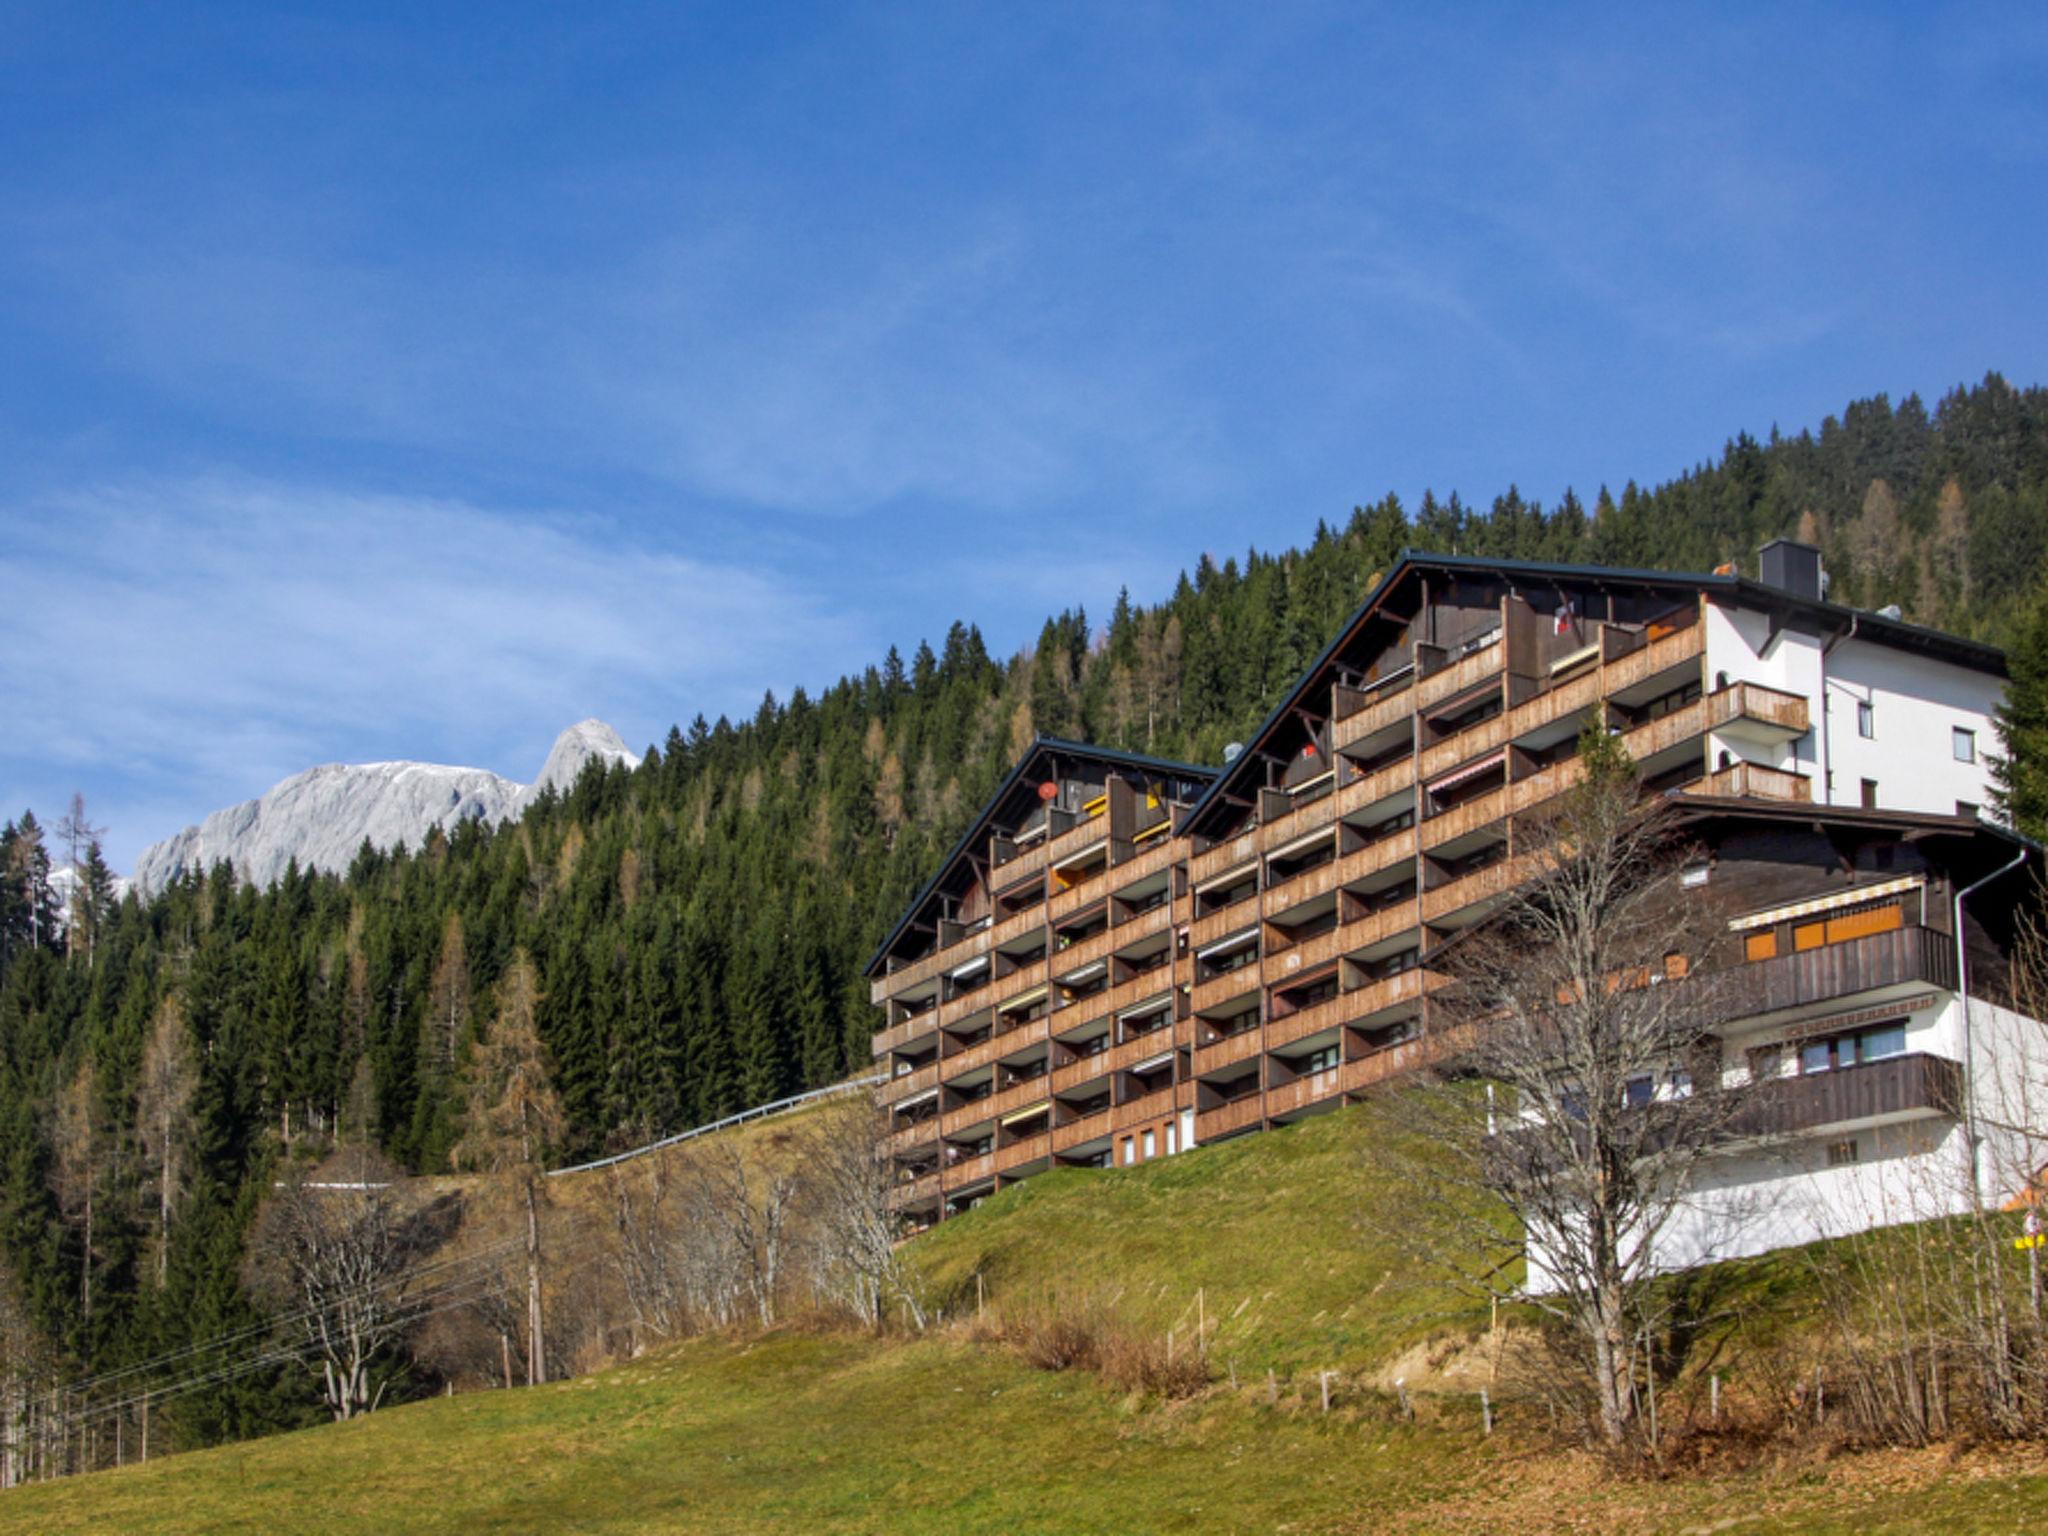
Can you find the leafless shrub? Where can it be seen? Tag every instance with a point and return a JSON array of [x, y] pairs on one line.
[[338, 1250]]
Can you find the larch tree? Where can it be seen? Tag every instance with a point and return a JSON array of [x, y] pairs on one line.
[[513, 1116], [78, 1137], [163, 1105]]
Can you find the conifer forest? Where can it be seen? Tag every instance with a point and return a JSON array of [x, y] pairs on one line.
[[697, 925]]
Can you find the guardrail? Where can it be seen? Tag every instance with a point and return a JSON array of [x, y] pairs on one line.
[[758, 1112]]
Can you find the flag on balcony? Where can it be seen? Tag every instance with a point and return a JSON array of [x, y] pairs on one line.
[[1567, 616]]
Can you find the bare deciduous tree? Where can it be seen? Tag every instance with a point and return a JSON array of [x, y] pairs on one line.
[[851, 1233], [739, 1223], [341, 1251], [1560, 1125]]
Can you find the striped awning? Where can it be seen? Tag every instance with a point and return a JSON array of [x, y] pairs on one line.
[[1025, 1114], [914, 1100], [1855, 897], [1086, 973], [1458, 776], [1225, 946], [1011, 1005], [1297, 845], [1152, 1061]]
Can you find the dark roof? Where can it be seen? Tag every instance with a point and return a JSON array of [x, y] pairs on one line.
[[1755, 594], [1039, 746]]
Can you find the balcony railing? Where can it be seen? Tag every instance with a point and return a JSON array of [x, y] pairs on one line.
[[1896, 1086], [1753, 781], [1225, 1118], [1904, 955]]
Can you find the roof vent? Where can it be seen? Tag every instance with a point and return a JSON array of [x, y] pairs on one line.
[[1891, 611], [1791, 567], [1232, 753]]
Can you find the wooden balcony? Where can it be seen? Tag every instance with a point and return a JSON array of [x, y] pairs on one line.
[[1019, 866], [897, 1036], [1484, 811], [1032, 1149], [1007, 1101], [1075, 1132], [1381, 711], [1222, 923], [1307, 885], [1224, 857], [1126, 1053], [1568, 700], [1212, 1124], [1487, 736], [1221, 989], [1065, 904], [1753, 781], [984, 1052], [1382, 1066], [1303, 1091], [1282, 965], [1242, 1046], [1481, 885], [1909, 955], [1303, 1022], [913, 1193], [1681, 645], [1157, 982], [1757, 709], [1100, 946], [1078, 838], [896, 1143], [969, 1170], [981, 1000], [1467, 672], [904, 1084], [1138, 1111], [1893, 1089], [1346, 800], [1010, 929]]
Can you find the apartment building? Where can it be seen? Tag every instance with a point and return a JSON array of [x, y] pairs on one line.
[[1126, 957]]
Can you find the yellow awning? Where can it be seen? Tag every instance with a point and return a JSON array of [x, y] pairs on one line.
[[1840, 899], [1025, 1114]]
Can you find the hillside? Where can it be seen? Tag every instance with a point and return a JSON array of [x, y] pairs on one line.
[[840, 1432], [697, 923]]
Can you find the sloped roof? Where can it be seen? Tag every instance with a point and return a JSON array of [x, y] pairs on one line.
[[1740, 589], [1040, 747]]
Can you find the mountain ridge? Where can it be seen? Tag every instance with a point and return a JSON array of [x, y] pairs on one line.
[[322, 815]]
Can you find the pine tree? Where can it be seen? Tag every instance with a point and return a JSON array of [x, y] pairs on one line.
[[2019, 772]]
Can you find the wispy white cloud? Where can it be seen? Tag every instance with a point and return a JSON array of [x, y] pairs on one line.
[[190, 642]]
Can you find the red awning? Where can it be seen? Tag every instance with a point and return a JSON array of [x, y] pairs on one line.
[[1458, 776]]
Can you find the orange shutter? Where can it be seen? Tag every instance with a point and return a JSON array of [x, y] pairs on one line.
[[1809, 936], [1761, 945], [1854, 925]]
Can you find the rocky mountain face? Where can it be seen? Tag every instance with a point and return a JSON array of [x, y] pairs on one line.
[[321, 817]]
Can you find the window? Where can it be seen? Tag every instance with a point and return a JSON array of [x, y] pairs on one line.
[[1170, 1147], [1640, 1091], [1151, 1144], [1681, 1083], [1130, 1150], [1324, 1060], [1841, 1153], [1866, 719], [1964, 744], [1966, 808], [1854, 1049], [1870, 794]]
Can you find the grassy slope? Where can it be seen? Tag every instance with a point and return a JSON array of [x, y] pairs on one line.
[[838, 1434]]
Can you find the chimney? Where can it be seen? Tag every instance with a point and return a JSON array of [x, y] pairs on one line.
[[1791, 567]]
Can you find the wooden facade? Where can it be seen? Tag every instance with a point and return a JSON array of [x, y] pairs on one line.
[[1199, 953]]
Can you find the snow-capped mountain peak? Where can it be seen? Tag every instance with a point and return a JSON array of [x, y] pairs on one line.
[[322, 816]]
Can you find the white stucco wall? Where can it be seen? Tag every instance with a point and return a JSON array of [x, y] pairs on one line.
[[1916, 701]]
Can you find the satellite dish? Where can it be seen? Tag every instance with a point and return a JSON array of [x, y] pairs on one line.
[[1233, 752], [1048, 790]]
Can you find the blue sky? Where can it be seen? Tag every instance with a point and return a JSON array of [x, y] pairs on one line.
[[413, 381]]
